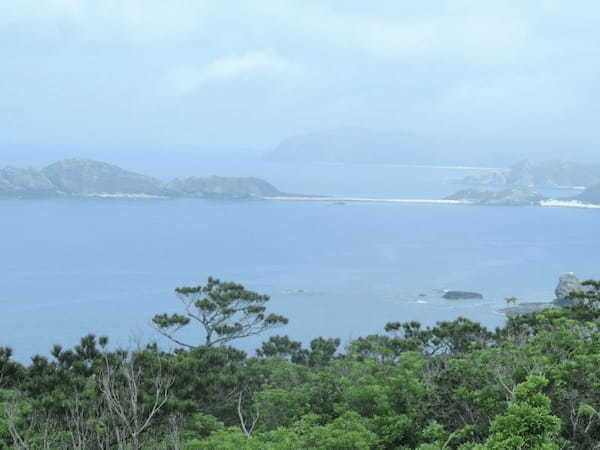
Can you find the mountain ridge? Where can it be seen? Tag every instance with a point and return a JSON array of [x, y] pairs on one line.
[[80, 177]]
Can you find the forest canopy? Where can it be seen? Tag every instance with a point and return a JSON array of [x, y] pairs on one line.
[[532, 384]]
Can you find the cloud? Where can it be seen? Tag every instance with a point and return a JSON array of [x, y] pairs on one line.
[[266, 65], [460, 27], [293, 65], [132, 20], [513, 103], [474, 31]]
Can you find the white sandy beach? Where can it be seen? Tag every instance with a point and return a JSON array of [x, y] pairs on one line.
[[129, 196], [369, 200], [568, 204], [544, 203]]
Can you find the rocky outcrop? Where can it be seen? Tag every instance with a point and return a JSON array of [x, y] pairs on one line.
[[462, 295], [567, 284], [512, 197]]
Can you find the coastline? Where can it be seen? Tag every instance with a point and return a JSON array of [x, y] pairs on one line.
[[128, 196], [416, 166], [551, 203], [416, 201], [368, 200], [568, 204]]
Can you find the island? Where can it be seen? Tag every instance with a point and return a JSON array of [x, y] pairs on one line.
[[507, 197], [545, 174], [519, 196], [353, 145], [90, 178]]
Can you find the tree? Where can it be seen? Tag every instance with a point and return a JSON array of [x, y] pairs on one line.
[[283, 347], [131, 408], [528, 423], [322, 351], [225, 310], [9, 370]]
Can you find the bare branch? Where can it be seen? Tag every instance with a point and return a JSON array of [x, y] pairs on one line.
[[247, 430]]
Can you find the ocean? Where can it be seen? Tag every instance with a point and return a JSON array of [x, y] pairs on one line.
[[106, 266]]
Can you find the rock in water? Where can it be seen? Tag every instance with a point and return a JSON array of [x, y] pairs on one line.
[[462, 295], [567, 284]]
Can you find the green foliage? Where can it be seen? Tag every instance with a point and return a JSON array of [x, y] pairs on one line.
[[225, 311], [533, 384], [349, 432], [283, 347], [528, 423]]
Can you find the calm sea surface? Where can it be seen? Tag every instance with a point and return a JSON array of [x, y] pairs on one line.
[[70, 267]]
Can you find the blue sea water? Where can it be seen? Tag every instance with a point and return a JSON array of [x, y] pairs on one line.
[[70, 267]]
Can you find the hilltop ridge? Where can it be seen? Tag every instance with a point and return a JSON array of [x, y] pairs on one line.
[[78, 177]]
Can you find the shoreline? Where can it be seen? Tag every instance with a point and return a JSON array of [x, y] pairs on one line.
[[417, 166], [550, 203], [368, 200], [126, 196], [416, 201], [568, 204]]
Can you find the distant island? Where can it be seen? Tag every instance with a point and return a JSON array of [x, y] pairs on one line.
[[514, 197], [358, 145], [491, 155], [545, 174], [89, 178], [523, 196], [589, 198], [518, 185]]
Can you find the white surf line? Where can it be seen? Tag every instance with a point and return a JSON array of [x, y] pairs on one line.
[[125, 196], [422, 201], [574, 188], [423, 166], [418, 166], [370, 200], [568, 204]]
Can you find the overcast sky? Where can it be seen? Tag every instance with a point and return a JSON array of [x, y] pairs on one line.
[[195, 75]]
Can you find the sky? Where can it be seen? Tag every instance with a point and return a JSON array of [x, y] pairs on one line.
[[208, 76]]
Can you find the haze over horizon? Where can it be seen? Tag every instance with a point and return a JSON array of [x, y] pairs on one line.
[[119, 80]]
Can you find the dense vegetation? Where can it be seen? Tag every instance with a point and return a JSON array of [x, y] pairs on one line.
[[533, 384]]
